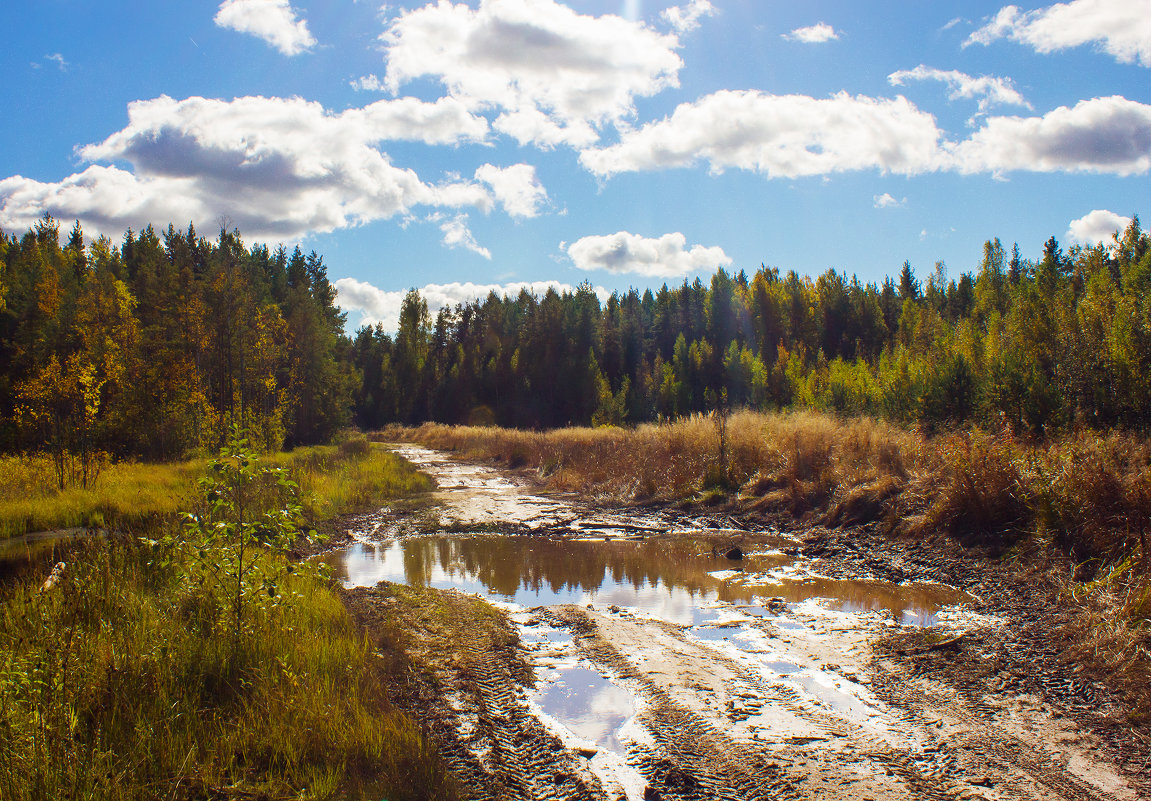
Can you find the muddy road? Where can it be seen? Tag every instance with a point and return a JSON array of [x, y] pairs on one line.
[[569, 652]]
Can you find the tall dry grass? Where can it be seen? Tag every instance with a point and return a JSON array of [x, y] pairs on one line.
[[1088, 495], [800, 462]]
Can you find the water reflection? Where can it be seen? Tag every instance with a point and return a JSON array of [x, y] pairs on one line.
[[590, 706], [664, 578]]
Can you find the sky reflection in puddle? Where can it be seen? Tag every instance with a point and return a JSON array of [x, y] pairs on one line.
[[661, 578], [589, 705]]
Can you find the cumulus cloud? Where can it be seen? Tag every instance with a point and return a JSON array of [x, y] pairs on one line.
[[780, 136], [986, 89], [556, 76], [367, 83], [105, 199], [277, 167], [886, 201], [274, 21], [1097, 226], [1103, 135], [665, 257], [813, 34], [790, 136], [685, 18], [457, 234], [516, 188], [1121, 28], [382, 306]]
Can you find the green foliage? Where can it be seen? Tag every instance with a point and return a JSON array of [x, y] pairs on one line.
[[215, 334], [251, 516], [1030, 348]]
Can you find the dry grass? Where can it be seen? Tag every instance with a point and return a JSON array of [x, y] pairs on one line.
[[798, 462]]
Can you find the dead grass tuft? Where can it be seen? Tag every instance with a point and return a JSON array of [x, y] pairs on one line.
[[981, 495]]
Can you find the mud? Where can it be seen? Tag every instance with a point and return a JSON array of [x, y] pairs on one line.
[[618, 654]]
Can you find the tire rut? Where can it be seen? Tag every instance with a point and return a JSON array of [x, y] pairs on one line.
[[1024, 769]]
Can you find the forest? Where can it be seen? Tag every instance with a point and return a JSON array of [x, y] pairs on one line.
[[1014, 344], [153, 347]]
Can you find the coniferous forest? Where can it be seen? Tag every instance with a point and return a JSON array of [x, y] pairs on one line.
[[152, 347]]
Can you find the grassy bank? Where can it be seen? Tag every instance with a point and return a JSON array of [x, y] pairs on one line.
[[126, 679], [1082, 502], [335, 479]]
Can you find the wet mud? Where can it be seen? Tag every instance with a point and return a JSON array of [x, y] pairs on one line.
[[570, 652]]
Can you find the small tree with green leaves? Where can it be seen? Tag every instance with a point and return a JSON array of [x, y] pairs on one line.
[[251, 516]]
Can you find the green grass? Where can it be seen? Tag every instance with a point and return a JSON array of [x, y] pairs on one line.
[[124, 493], [119, 683], [335, 480], [354, 476], [126, 680]]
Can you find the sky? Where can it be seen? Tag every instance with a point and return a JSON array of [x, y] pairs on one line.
[[463, 147]]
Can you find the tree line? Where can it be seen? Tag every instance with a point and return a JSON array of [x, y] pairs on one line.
[[154, 347], [1029, 346]]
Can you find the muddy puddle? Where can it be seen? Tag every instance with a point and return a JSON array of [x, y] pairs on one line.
[[661, 578]]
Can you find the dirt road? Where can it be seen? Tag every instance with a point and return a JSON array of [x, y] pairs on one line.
[[670, 672]]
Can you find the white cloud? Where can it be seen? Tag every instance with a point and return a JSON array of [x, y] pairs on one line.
[[277, 167], [457, 234], [1096, 227], [59, 60], [813, 34], [381, 306], [886, 201], [685, 18], [556, 76], [106, 199], [516, 188], [986, 89], [274, 21], [780, 136], [1121, 28], [367, 83], [790, 136], [665, 257], [1103, 135]]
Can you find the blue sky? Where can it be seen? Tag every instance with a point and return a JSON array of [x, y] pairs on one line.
[[494, 143]]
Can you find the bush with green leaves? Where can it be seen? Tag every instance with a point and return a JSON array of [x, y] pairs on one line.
[[234, 544]]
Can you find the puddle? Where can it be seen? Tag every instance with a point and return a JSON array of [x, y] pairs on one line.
[[590, 706], [21, 555], [783, 668], [655, 578]]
